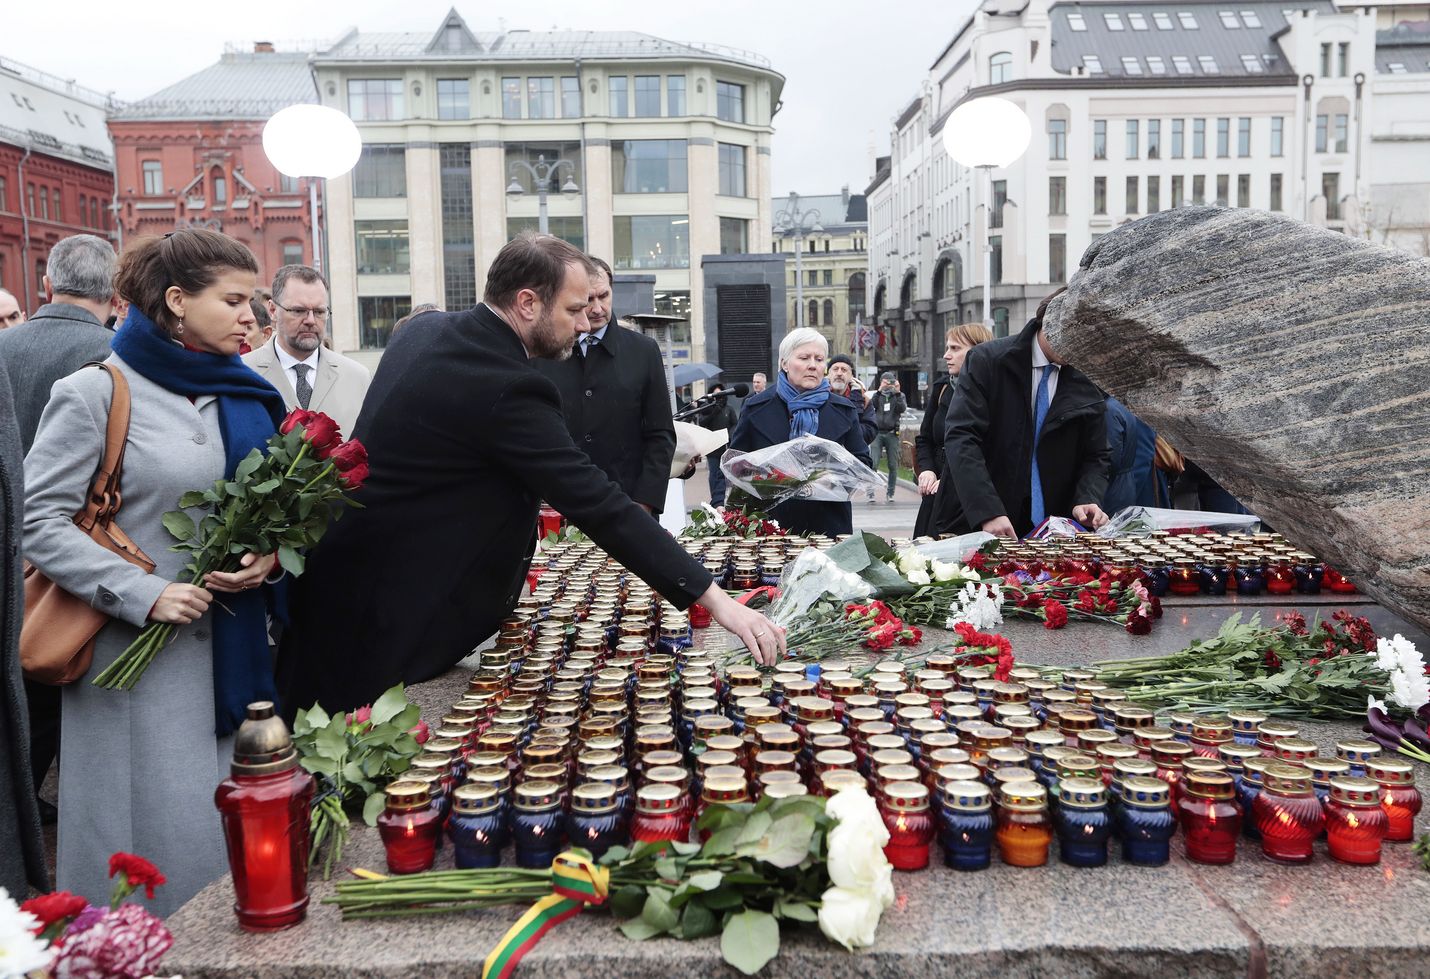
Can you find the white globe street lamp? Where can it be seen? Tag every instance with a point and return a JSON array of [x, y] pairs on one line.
[[987, 133], [312, 141]]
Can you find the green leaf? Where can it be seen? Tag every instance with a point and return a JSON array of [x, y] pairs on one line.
[[331, 741], [721, 900], [179, 524], [291, 560], [628, 901], [750, 940], [265, 487], [795, 911], [698, 922], [718, 817], [193, 498], [657, 911], [392, 702], [706, 880], [721, 842], [786, 843], [638, 929], [373, 807], [307, 721], [353, 772], [754, 828], [248, 466], [407, 718], [667, 868], [319, 766], [684, 849]]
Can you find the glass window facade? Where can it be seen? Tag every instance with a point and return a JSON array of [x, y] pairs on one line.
[[541, 98], [459, 270], [734, 236], [732, 170], [619, 88], [511, 98], [652, 241], [453, 98], [1057, 139], [534, 153], [374, 99], [568, 228], [649, 166], [647, 95], [376, 314], [730, 101], [381, 171], [570, 97], [382, 247], [675, 95]]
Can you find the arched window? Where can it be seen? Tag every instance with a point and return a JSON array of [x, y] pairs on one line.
[[856, 297], [220, 187], [813, 312], [907, 290], [829, 312], [1000, 68], [879, 301]]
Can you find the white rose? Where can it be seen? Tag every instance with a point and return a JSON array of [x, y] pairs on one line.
[[911, 560], [946, 572], [856, 859], [853, 805], [917, 577], [849, 917]]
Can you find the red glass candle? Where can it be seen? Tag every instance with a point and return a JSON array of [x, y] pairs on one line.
[[1211, 819], [266, 805], [1024, 831], [1287, 813], [1209, 734], [409, 827], [1168, 757], [1398, 796], [1184, 579], [661, 814], [1355, 822], [905, 808], [1280, 577], [725, 789], [1337, 582]]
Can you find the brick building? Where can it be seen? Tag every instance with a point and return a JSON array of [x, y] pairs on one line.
[[56, 172], [191, 155]]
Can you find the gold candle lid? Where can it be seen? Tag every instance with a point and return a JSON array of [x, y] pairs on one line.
[[966, 795], [1081, 793], [475, 798], [1023, 796], [1349, 790], [659, 798], [1286, 779], [593, 797], [840, 779], [1208, 785], [1145, 792], [907, 796], [407, 796]]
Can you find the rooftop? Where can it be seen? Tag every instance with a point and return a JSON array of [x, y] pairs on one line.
[[53, 115], [241, 85], [1404, 49]]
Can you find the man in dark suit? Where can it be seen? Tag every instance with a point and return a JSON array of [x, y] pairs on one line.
[[615, 400], [465, 439], [1026, 438]]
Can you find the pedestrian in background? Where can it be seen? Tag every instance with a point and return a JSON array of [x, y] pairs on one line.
[[928, 444], [843, 382], [10, 312], [720, 415], [889, 406]]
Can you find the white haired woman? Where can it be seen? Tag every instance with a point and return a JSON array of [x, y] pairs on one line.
[[801, 403]]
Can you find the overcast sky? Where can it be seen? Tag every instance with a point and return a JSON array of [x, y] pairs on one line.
[[849, 67]]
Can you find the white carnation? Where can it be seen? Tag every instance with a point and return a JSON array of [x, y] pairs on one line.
[[1409, 690], [21, 952]]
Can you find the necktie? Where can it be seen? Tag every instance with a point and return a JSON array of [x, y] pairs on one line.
[[588, 341], [303, 389], [1040, 413]]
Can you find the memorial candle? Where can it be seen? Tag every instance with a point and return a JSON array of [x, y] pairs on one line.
[[1398, 796], [1024, 831], [1355, 821], [966, 825], [408, 827], [477, 826], [1082, 822], [537, 824], [1145, 823], [1211, 819], [596, 821], [905, 808], [1287, 813]]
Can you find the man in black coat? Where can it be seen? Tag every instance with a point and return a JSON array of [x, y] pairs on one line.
[[465, 438], [992, 429], [616, 403]]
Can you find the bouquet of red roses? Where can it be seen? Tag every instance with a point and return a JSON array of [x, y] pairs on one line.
[[280, 500]]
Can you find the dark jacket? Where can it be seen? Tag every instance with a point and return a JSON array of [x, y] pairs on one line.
[[988, 439], [888, 406], [861, 404], [721, 415], [22, 855], [764, 421], [617, 410], [54, 343], [465, 438], [928, 450], [1132, 478]]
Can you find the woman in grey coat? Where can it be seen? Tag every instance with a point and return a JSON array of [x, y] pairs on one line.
[[140, 767]]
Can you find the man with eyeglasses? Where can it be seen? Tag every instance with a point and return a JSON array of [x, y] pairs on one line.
[[306, 373], [10, 312]]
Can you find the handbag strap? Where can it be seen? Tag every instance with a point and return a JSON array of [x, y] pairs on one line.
[[104, 497]]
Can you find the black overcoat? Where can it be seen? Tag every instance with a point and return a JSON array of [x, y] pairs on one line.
[[465, 439], [988, 439], [617, 410], [928, 450]]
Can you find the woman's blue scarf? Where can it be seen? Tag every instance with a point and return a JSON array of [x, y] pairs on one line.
[[803, 405], [249, 411]]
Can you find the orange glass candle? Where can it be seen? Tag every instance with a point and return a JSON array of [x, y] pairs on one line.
[[1025, 832], [1398, 796]]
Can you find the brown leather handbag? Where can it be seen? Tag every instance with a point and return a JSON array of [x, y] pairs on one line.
[[58, 632]]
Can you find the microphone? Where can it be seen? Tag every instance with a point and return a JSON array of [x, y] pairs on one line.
[[739, 390]]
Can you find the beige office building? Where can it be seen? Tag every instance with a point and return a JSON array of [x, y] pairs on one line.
[[667, 147]]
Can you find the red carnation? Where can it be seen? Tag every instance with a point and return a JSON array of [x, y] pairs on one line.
[[978, 562], [138, 873], [1056, 614], [1296, 622], [1004, 668], [1138, 624], [54, 911]]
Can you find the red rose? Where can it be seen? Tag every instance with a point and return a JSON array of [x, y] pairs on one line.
[[138, 873], [421, 733], [54, 909], [297, 418], [317, 429], [1056, 614], [351, 461]]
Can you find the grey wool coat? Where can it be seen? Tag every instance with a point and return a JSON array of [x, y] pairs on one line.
[[138, 768], [22, 859]]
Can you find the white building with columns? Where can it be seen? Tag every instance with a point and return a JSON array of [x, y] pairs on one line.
[[1300, 107], [668, 145]]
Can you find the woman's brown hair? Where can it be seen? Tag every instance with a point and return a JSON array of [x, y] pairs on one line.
[[190, 258]]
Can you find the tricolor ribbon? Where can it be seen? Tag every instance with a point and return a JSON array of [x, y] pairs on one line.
[[575, 883]]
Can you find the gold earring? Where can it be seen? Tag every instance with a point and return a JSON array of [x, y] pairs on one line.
[[179, 331]]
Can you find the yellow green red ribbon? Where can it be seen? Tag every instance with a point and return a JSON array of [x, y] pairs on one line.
[[575, 883]]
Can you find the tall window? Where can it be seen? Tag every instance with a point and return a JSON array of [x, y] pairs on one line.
[[30, 198], [1000, 200], [1177, 187], [532, 154], [1243, 136], [620, 103], [1199, 138], [1276, 192], [375, 99], [1154, 139], [1326, 60], [511, 98], [732, 170], [730, 101], [570, 97], [1341, 131], [1154, 194], [1132, 139], [1199, 189], [647, 95], [459, 273], [1131, 203], [1178, 132], [153, 172], [734, 236], [1223, 137], [995, 244], [649, 166], [293, 253], [1343, 58], [1099, 139], [1331, 191], [83, 214], [94, 219], [829, 312], [220, 188], [813, 313], [1000, 68], [541, 98], [652, 241], [1223, 189], [856, 297], [1278, 135], [382, 247], [381, 171], [1057, 139], [376, 314], [287, 184], [4, 196], [675, 95], [453, 101], [1323, 129], [59, 211], [1057, 258], [1057, 195], [1243, 190], [1099, 195]]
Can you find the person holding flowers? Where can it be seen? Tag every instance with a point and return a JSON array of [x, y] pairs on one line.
[[140, 766]]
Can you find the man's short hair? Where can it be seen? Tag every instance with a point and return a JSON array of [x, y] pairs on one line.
[[601, 264], [259, 305], [532, 261], [82, 266], [760, 375], [303, 273], [1047, 300]]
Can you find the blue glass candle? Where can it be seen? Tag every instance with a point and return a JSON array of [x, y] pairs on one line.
[[966, 825], [477, 828], [1214, 575], [1309, 573], [1159, 576], [1145, 822], [1082, 822], [1357, 753], [1244, 725], [1248, 789], [596, 822], [1250, 578], [536, 824]]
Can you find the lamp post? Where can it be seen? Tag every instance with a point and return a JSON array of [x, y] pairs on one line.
[[790, 223], [542, 174], [315, 142], [986, 134]]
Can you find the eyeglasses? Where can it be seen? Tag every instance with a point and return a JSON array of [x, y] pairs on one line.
[[303, 312]]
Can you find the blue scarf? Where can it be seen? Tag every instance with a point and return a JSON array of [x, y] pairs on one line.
[[249, 411], [803, 405]]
